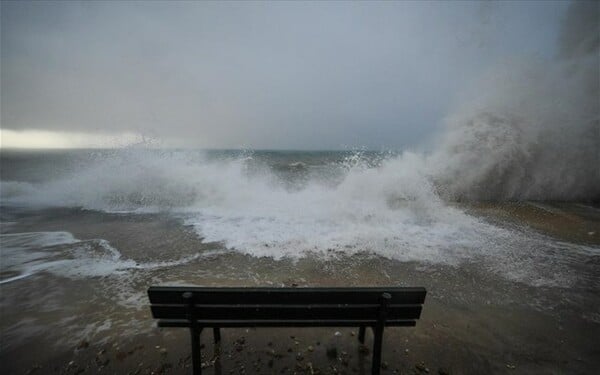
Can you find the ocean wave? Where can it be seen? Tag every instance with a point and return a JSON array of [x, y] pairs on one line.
[[393, 210]]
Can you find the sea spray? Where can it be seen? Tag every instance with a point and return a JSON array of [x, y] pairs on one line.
[[530, 132], [530, 128]]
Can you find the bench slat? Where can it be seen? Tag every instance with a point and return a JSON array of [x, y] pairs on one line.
[[213, 296], [374, 307], [286, 312], [282, 323]]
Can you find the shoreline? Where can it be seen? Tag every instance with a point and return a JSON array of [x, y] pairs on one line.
[[475, 319]]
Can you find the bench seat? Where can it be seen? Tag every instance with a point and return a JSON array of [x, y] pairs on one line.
[[197, 308]]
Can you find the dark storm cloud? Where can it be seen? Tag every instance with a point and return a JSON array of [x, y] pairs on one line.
[[265, 75]]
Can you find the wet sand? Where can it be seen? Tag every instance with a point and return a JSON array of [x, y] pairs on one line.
[[448, 339], [567, 221], [474, 321]]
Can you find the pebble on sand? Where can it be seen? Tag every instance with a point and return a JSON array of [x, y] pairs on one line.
[[421, 367]]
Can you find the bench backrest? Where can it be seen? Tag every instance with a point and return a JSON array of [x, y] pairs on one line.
[[325, 305]]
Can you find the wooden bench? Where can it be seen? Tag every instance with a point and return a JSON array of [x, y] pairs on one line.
[[197, 308]]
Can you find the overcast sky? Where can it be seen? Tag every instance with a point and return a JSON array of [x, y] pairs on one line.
[[288, 75]]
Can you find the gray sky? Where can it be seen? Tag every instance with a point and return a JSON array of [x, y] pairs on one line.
[[256, 74]]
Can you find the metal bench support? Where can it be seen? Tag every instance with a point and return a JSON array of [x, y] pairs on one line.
[[361, 334], [378, 339], [195, 335]]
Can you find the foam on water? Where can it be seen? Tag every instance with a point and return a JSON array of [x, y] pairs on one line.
[[391, 211], [59, 253]]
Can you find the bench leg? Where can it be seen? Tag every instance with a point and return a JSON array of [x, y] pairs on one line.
[[196, 354], [217, 335], [377, 343], [361, 334]]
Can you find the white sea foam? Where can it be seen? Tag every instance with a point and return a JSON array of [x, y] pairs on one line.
[[63, 255], [34, 240], [392, 211]]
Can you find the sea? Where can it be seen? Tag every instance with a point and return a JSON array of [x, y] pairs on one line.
[[85, 232]]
